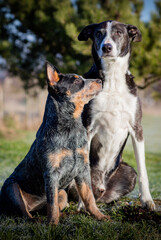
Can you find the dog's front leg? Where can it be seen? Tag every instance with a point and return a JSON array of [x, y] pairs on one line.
[[83, 183], [51, 188], [139, 150], [81, 205]]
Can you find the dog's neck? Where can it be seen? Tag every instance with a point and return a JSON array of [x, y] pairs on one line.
[[58, 115], [60, 112], [56, 109], [114, 71]]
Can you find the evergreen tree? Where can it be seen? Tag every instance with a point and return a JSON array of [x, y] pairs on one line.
[[32, 31]]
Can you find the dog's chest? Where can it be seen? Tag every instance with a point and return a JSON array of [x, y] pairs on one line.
[[73, 166], [113, 115], [114, 110]]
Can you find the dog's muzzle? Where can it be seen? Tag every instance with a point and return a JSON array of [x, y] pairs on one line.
[[107, 48]]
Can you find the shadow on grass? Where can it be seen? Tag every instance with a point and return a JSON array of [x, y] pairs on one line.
[[127, 222]]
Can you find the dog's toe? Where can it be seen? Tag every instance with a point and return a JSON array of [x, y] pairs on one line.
[[150, 205], [104, 217]]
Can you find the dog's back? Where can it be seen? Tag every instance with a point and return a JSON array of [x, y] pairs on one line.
[[58, 155]]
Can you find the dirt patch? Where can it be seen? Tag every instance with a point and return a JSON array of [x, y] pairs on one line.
[[135, 214]]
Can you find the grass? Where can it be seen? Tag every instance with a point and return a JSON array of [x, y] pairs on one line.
[[79, 227], [128, 219]]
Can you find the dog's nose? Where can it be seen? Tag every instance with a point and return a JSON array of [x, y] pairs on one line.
[[98, 81], [102, 189], [107, 48]]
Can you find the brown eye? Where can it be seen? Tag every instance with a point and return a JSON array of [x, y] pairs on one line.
[[77, 81], [98, 34], [119, 33]]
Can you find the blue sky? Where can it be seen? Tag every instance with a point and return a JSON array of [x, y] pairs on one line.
[[149, 6]]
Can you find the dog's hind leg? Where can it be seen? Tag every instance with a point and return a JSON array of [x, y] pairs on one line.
[[12, 202], [119, 183]]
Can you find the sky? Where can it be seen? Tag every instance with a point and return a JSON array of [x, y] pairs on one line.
[[149, 6]]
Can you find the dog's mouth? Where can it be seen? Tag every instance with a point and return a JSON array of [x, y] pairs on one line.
[[98, 91], [107, 55], [92, 95]]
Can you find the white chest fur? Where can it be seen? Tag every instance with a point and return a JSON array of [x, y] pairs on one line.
[[113, 112]]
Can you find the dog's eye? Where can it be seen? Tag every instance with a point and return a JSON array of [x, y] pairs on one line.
[[77, 81], [118, 32], [98, 34]]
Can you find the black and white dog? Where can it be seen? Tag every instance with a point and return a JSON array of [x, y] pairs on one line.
[[114, 114]]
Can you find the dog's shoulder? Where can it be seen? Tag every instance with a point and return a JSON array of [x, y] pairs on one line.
[[131, 84]]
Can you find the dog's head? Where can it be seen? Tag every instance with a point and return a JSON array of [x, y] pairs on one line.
[[98, 183], [72, 87], [111, 39]]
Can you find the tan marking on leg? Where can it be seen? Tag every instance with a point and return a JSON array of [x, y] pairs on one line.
[[56, 158], [53, 210], [89, 201], [84, 153], [33, 202], [62, 199], [24, 211]]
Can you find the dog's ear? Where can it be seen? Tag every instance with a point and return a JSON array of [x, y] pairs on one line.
[[87, 32], [134, 33], [52, 74]]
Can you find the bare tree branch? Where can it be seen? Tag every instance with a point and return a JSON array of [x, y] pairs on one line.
[[148, 81]]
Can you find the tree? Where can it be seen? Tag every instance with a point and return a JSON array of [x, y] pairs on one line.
[[32, 31], [149, 58]]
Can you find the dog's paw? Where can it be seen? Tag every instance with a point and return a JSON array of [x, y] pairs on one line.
[[101, 216], [53, 222], [81, 206], [149, 204]]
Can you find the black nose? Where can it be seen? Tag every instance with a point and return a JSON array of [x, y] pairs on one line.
[[102, 190], [98, 81], [107, 48]]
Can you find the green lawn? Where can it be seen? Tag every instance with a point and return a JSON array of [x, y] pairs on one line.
[[129, 220]]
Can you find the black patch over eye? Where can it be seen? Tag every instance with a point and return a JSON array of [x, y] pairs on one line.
[[98, 34], [78, 81]]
